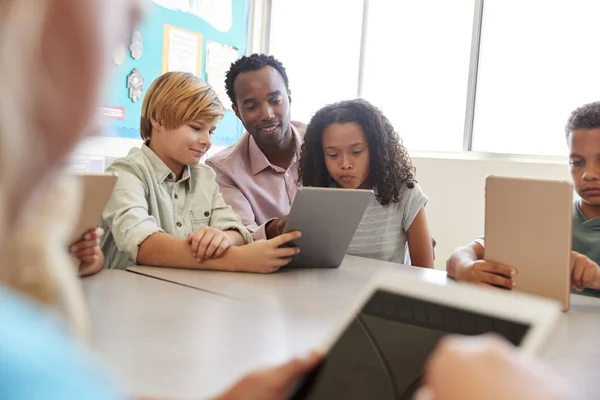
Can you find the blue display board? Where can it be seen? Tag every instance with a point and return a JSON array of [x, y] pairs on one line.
[[150, 66]]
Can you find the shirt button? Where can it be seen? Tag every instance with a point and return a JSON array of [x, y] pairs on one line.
[[176, 197], [179, 224], [206, 213]]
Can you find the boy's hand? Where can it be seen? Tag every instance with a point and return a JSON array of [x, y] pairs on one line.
[[265, 256], [208, 242], [486, 273], [88, 252], [584, 272]]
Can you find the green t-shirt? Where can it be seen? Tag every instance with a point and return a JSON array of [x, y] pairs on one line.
[[586, 238]]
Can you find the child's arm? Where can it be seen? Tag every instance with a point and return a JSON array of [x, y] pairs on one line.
[[462, 259], [88, 252], [235, 238], [164, 250], [138, 234], [264, 256], [420, 246], [224, 229], [466, 264], [208, 242]]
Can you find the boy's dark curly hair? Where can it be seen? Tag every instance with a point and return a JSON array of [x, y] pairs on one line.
[[253, 62], [584, 117], [390, 166]]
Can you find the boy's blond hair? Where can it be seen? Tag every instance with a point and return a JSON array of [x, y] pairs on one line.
[[176, 98]]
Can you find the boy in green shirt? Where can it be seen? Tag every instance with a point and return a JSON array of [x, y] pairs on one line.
[[583, 137]]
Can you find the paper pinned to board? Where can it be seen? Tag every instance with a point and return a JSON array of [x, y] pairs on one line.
[[217, 13], [182, 50], [218, 61]]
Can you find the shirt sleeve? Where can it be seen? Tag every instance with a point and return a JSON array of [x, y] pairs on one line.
[[233, 196], [412, 201], [126, 214], [224, 218]]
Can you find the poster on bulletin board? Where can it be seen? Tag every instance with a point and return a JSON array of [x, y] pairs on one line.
[[218, 60], [176, 36], [182, 50]]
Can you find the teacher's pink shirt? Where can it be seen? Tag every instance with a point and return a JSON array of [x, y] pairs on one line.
[[257, 190]]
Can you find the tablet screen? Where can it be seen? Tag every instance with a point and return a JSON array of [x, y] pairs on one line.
[[382, 353]]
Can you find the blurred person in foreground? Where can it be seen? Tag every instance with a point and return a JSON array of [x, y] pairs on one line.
[[52, 58]]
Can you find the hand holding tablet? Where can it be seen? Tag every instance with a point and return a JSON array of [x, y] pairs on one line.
[[97, 189], [528, 226], [327, 218], [381, 348]]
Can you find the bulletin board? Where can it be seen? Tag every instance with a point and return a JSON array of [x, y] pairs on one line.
[[122, 115]]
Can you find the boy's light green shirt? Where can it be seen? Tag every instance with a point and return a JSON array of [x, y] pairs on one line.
[[147, 199]]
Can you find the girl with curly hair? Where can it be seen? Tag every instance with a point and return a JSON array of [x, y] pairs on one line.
[[352, 145]]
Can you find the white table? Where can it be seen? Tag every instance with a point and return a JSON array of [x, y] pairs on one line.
[[573, 350], [168, 341], [190, 342], [303, 289]]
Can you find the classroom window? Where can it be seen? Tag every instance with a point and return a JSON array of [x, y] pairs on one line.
[[318, 42], [538, 61], [416, 68]]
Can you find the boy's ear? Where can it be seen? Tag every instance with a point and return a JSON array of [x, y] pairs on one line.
[[156, 126], [236, 110]]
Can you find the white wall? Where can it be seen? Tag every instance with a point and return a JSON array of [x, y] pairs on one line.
[[456, 189]]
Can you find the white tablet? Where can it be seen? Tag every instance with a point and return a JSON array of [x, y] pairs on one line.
[[381, 348], [327, 218], [96, 191]]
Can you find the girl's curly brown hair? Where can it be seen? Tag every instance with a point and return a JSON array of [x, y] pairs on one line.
[[390, 166]]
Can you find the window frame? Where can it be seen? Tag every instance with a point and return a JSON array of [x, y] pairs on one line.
[[265, 19]]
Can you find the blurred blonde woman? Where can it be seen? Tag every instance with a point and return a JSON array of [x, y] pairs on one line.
[[52, 58], [48, 88]]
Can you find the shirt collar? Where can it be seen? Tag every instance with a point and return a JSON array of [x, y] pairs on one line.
[[259, 161], [163, 173]]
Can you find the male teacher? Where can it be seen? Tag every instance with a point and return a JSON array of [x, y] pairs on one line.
[[258, 175]]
